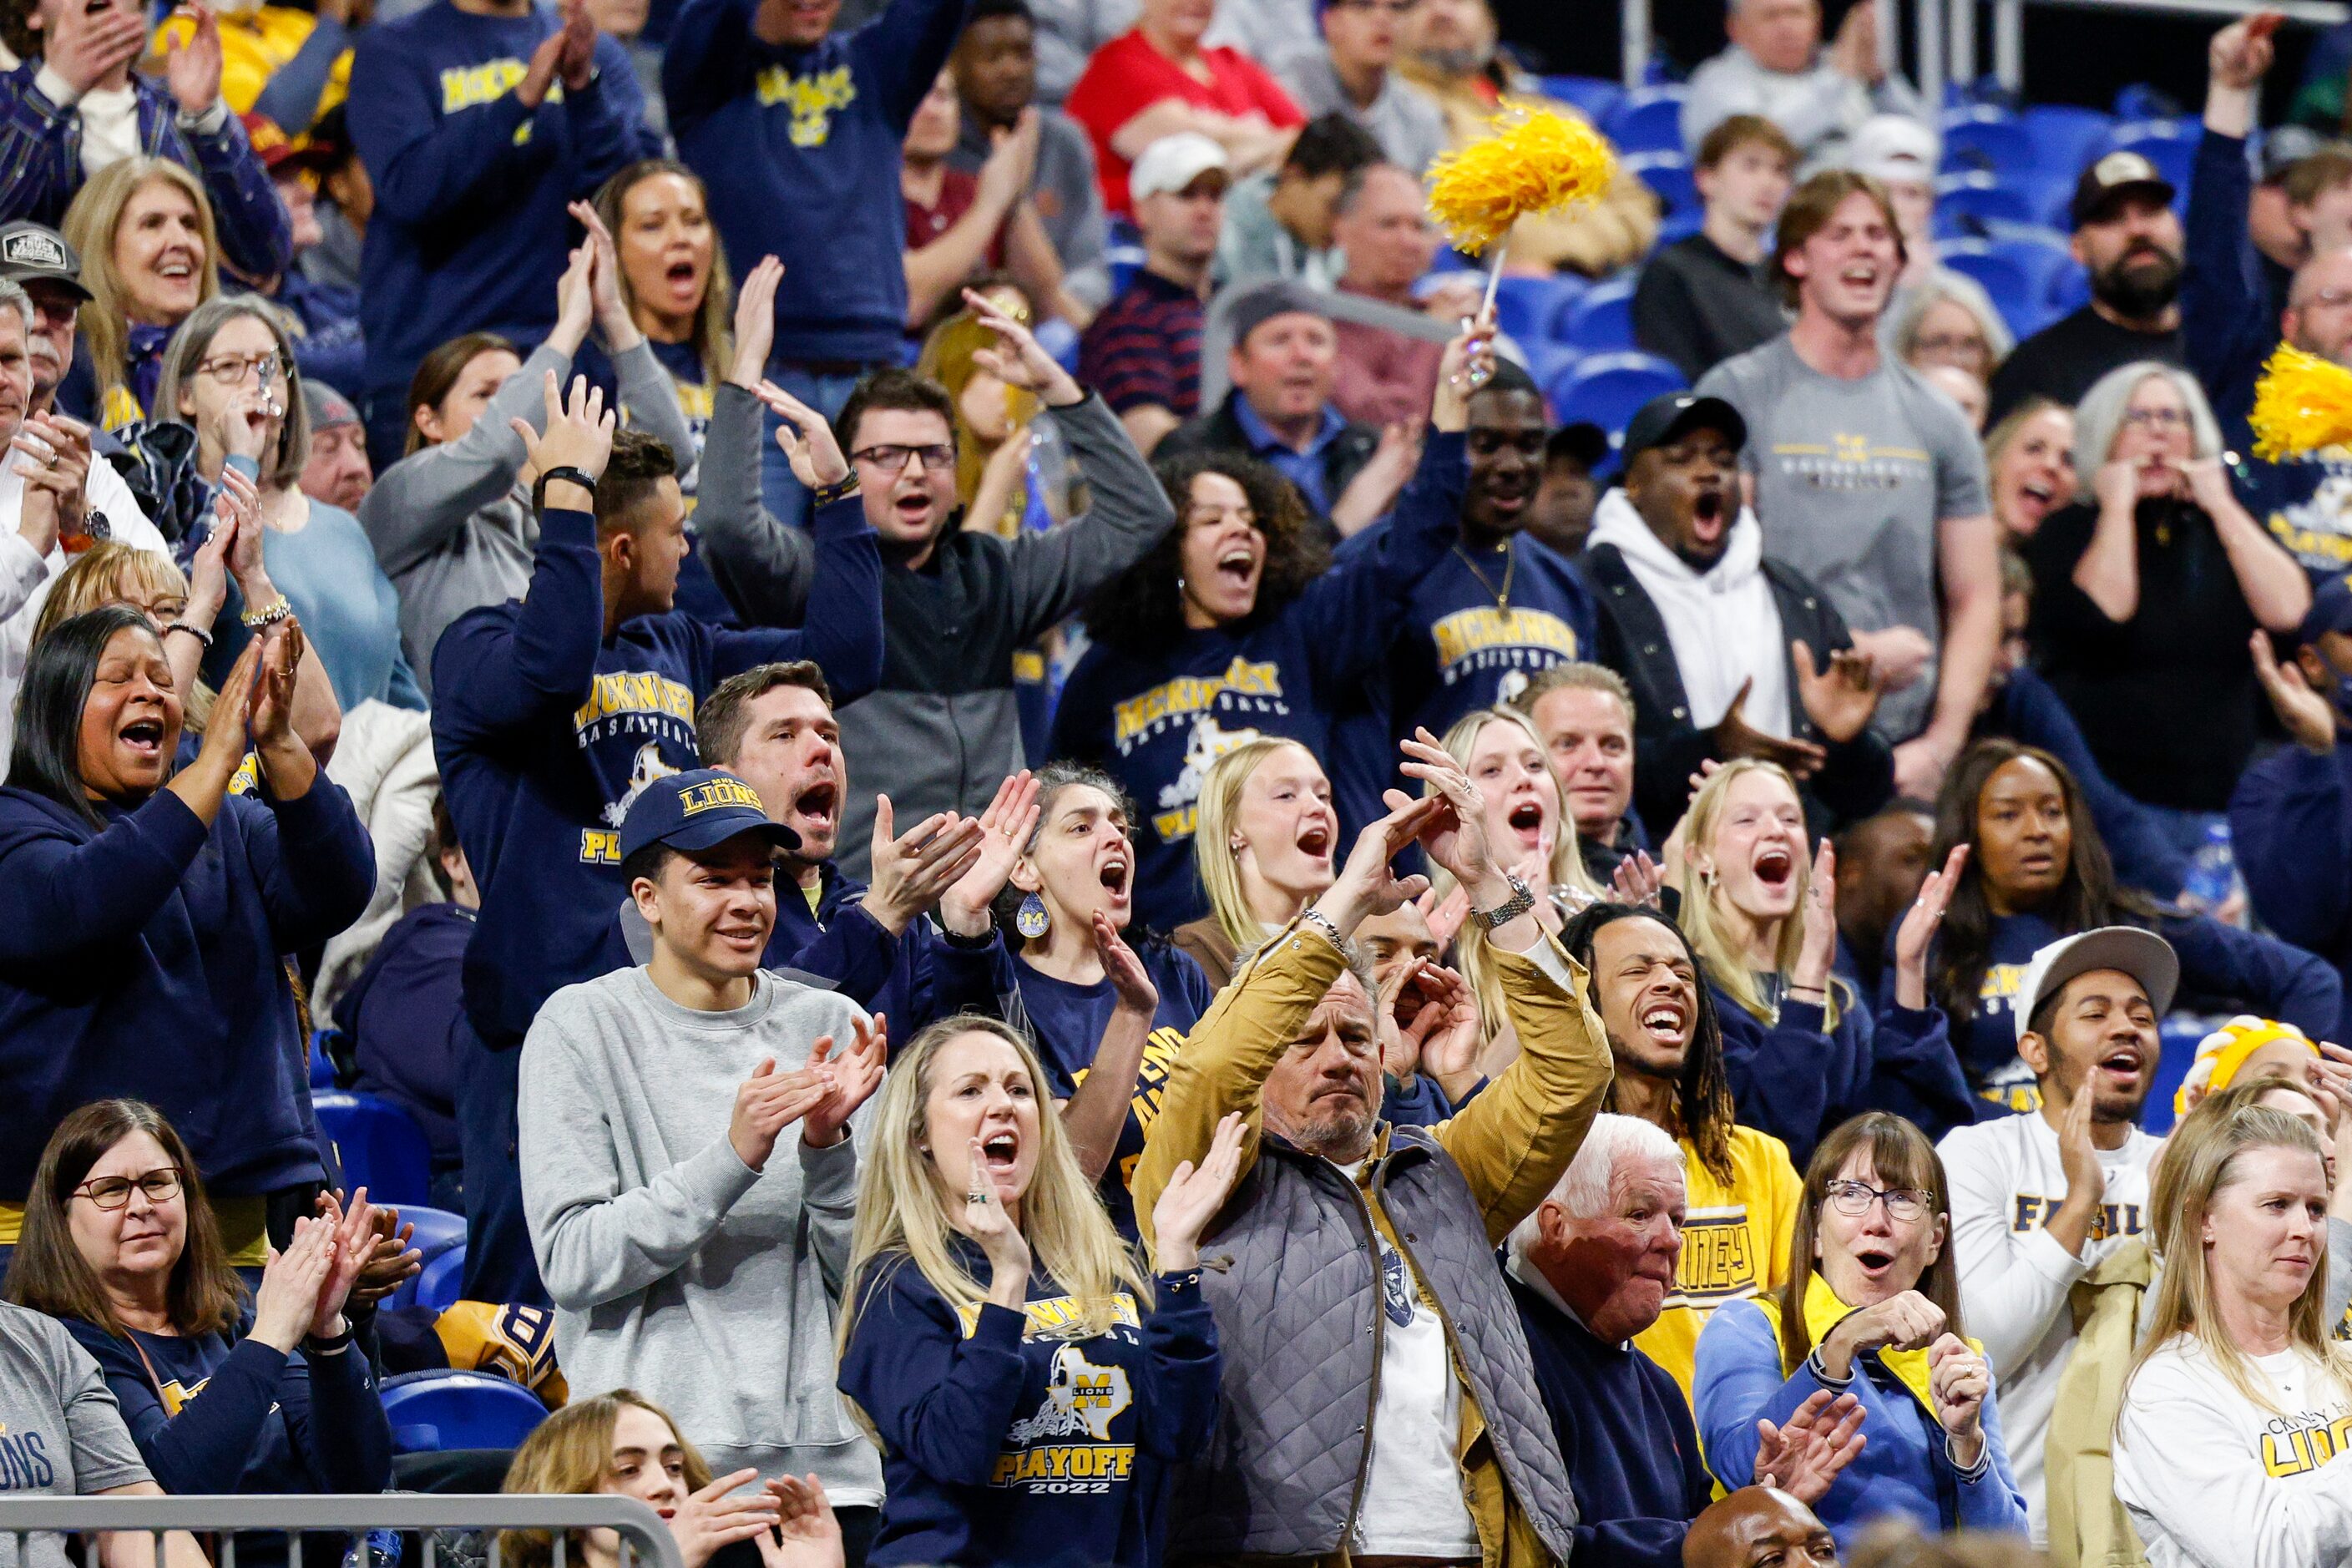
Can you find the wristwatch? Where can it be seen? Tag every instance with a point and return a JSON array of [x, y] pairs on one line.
[[1521, 900], [569, 475]]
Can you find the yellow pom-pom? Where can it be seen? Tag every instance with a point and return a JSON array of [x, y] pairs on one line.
[[1534, 161], [2302, 404]]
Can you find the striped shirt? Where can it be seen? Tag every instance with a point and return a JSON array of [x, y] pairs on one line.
[[1145, 348]]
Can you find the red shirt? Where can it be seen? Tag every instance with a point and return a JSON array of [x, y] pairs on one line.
[[1128, 76], [958, 191]]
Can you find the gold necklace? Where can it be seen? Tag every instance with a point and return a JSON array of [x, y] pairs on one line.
[[1510, 564]]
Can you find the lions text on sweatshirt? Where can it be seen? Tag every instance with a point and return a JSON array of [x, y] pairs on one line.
[[470, 231], [2214, 1479], [800, 149], [1007, 1437], [2007, 1179], [547, 730], [1158, 720]]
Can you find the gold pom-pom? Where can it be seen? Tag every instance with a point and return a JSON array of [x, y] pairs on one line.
[[1535, 159], [2302, 404]]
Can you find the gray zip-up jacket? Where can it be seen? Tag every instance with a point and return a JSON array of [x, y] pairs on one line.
[[451, 526], [944, 728]]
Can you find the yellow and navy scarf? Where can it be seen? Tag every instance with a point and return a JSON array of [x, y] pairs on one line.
[[1824, 1311]]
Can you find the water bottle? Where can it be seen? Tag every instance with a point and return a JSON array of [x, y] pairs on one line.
[[379, 1548], [2213, 869]]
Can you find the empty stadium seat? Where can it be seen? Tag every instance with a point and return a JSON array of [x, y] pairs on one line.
[[2170, 144], [1601, 320], [1997, 146], [1608, 388], [1648, 121], [441, 1237], [1595, 97], [1525, 308], [323, 1067], [2070, 290], [379, 1144], [2066, 135], [435, 1411], [1980, 198], [1668, 176], [1680, 225]]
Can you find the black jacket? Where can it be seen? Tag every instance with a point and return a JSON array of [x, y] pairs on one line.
[[1220, 431], [1859, 776]]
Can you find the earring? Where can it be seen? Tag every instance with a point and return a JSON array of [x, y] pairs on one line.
[[1031, 921]]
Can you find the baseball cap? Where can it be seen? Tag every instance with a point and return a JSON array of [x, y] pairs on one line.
[[1258, 306], [2331, 609], [34, 253], [2110, 179], [1891, 147], [2142, 954], [699, 809], [1583, 442], [327, 407], [1172, 163], [1662, 419]]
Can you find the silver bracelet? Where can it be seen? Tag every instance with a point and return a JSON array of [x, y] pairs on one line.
[[204, 638], [1328, 926]]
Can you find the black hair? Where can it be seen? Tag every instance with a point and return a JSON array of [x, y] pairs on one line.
[[440, 843], [1703, 1102], [987, 10], [649, 863], [1332, 144], [44, 757], [1509, 376], [893, 387], [639, 462]]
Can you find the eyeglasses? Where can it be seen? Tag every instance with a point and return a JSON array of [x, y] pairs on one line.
[[114, 1192], [1393, 8], [893, 459], [1904, 1204], [2157, 418], [230, 370]]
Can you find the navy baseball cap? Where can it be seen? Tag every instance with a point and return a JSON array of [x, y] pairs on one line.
[[700, 809], [2331, 609]]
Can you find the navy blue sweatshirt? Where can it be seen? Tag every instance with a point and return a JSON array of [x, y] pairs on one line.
[[2306, 504], [800, 149], [2026, 709], [2290, 823], [401, 1015], [1625, 1431], [2236, 971], [1005, 1441], [1796, 1079], [546, 730], [470, 231], [2230, 292], [266, 1421], [1066, 1022], [1157, 721], [146, 961]]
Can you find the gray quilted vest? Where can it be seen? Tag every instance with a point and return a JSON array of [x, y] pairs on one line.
[[1293, 1276]]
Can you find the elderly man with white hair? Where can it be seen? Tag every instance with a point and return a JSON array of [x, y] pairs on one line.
[[1776, 67], [1589, 1269]]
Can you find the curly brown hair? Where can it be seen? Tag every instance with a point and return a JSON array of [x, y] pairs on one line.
[[1140, 611]]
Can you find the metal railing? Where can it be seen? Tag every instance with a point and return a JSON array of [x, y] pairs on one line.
[[646, 1541]]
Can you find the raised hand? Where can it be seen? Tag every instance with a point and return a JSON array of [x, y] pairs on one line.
[[539, 74], [1821, 1437], [850, 1079], [983, 1218], [2078, 1157], [768, 1102], [807, 1535], [1734, 736], [1444, 1033], [1958, 1379], [1015, 359], [579, 436], [576, 63], [912, 870], [1011, 163], [1444, 915], [1130, 981], [285, 1305], [1637, 880], [710, 1518], [1367, 885], [613, 318], [2307, 715], [53, 459], [270, 715], [1192, 1197], [191, 68], [390, 1259], [1455, 837], [352, 1238], [1917, 932], [755, 323], [1004, 830], [1467, 364], [1840, 700], [86, 47], [2239, 55], [575, 295], [1818, 950], [805, 436]]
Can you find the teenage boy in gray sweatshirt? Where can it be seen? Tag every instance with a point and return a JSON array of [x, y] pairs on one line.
[[690, 1254]]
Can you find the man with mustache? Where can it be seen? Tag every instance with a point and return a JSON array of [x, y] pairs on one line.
[[2128, 237], [1727, 654]]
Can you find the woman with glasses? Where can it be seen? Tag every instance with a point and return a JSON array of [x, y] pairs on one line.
[[2146, 592], [223, 1393], [229, 375], [1871, 1307]]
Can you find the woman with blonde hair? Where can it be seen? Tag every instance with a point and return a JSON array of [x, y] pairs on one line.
[[1012, 470], [2230, 1449], [1263, 846], [150, 255], [623, 1444], [1002, 1340]]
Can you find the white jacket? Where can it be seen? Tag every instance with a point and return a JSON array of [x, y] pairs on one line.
[[385, 762], [1723, 626]]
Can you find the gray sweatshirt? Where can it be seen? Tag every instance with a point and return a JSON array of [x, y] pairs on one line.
[[1818, 108], [676, 1269], [453, 528]]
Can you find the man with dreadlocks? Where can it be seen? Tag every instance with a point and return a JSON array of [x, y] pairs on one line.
[[1667, 1048]]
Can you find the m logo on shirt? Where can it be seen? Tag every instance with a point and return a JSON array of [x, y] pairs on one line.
[[1486, 639], [1717, 1264], [813, 101]]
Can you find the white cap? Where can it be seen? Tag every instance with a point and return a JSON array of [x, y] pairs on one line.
[[1172, 163], [1894, 147], [2142, 954]]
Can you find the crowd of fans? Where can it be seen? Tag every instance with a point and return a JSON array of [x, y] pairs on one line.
[[1401, 977]]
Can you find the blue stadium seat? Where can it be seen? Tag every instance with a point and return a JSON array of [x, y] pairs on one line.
[[1997, 146], [1607, 389], [1668, 176], [1524, 307], [432, 1412], [440, 1285], [1980, 198], [1678, 226], [2170, 144], [323, 1067], [1601, 320], [379, 1144], [2002, 276], [2041, 258], [441, 1238], [2070, 290], [2142, 101], [1595, 97], [2067, 134], [1648, 121]]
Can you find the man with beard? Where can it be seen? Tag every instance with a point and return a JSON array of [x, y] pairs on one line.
[[1867, 479], [2305, 500], [1727, 655], [2128, 239], [1743, 1194], [1590, 1270], [2039, 1201]]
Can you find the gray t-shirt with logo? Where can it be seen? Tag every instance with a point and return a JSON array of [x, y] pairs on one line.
[[1852, 479], [60, 1431]]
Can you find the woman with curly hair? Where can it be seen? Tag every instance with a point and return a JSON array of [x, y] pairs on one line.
[[1233, 629]]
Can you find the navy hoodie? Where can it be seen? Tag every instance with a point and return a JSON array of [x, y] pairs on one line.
[[1795, 1080], [800, 150], [402, 1016], [1625, 1432], [1156, 721], [2290, 823], [146, 960], [1066, 1022], [1005, 1440], [470, 231], [545, 731], [2219, 964]]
